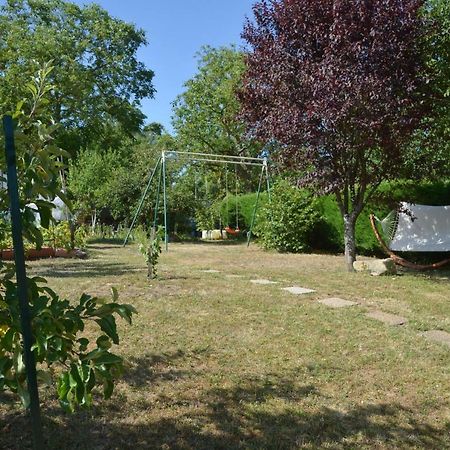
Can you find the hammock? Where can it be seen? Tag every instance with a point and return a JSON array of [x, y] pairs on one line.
[[415, 228]]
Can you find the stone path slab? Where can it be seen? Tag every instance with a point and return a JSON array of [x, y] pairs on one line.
[[442, 337], [211, 271], [335, 302], [388, 319], [297, 290], [232, 275], [262, 281]]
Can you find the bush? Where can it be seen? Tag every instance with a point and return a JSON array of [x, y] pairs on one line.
[[59, 236], [67, 359], [288, 222], [245, 207], [301, 222]]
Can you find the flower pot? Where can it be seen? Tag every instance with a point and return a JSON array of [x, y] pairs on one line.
[[7, 254]]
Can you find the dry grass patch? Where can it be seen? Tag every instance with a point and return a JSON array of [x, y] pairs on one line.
[[218, 362]]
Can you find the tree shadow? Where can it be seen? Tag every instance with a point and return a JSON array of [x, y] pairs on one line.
[[83, 269], [218, 243], [268, 412], [147, 369]]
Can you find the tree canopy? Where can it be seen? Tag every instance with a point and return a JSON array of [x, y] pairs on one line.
[[205, 115], [430, 150], [336, 84], [97, 76]]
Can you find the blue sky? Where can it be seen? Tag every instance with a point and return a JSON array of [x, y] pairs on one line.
[[176, 29]]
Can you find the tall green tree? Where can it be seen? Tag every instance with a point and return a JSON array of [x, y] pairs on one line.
[[205, 115], [98, 80], [430, 148]]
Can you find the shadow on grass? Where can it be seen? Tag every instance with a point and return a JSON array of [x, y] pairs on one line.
[[258, 413], [115, 241], [85, 269], [212, 243], [147, 369]]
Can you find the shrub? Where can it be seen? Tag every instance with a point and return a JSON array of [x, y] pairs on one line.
[[59, 236], [245, 207], [66, 358], [150, 247], [288, 221]]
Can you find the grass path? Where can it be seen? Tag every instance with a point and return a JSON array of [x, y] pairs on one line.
[[217, 362]]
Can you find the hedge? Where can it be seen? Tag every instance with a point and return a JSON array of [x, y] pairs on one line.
[[293, 208]]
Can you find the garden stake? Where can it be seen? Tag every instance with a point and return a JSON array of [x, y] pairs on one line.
[[19, 257]]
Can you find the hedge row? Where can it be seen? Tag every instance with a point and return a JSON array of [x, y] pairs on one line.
[[297, 221]]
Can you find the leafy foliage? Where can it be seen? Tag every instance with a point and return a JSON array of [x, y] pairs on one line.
[[98, 82], [336, 84], [289, 219], [150, 247], [429, 152], [60, 236], [61, 348], [205, 115]]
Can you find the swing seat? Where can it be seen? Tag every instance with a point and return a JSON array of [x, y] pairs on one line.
[[232, 231]]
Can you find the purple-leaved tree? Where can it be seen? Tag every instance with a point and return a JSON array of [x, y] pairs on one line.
[[336, 84]]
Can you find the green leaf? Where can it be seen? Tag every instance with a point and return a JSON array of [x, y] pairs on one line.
[[107, 358], [104, 343], [23, 394], [108, 326], [83, 344]]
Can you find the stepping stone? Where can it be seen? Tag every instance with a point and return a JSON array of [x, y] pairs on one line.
[[262, 281], [442, 337], [335, 302], [211, 271], [297, 290], [234, 276], [388, 319]]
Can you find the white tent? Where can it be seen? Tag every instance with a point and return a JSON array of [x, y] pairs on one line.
[[422, 229], [59, 213]]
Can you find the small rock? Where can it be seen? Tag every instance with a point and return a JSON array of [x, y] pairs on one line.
[[361, 266], [77, 253], [376, 267]]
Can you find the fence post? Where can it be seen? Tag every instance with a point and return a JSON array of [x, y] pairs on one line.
[[19, 257]]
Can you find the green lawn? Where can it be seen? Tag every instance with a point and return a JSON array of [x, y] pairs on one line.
[[216, 362]]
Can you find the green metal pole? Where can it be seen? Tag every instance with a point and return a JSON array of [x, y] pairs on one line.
[[268, 181], [19, 257], [249, 236], [141, 203], [157, 197], [166, 235]]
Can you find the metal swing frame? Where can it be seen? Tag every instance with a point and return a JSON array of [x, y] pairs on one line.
[[161, 164]]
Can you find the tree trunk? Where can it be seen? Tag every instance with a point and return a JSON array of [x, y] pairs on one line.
[[349, 241]]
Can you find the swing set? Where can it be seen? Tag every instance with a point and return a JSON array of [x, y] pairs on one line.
[[161, 169]]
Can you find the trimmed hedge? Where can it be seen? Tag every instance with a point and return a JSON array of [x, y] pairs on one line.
[[293, 209]]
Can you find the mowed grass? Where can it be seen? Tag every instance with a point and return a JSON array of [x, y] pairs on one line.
[[216, 362]]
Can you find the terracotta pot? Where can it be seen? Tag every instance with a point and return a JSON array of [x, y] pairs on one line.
[[62, 253], [8, 254], [46, 252]]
